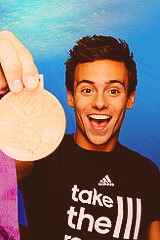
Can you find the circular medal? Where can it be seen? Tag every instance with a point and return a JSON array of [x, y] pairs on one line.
[[32, 124]]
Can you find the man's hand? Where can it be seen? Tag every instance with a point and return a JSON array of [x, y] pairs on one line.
[[154, 231], [17, 68]]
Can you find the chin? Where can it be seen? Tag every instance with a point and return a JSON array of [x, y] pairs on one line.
[[98, 140], [103, 143]]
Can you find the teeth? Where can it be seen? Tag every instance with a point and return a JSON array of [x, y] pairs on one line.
[[99, 117]]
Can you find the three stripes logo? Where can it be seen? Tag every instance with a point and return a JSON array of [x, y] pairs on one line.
[[134, 211], [106, 181]]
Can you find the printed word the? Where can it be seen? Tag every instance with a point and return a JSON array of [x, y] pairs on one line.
[[102, 224]]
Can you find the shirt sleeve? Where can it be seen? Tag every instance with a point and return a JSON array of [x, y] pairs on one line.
[[154, 195]]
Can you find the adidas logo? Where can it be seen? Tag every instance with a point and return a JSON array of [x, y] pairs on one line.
[[106, 181]]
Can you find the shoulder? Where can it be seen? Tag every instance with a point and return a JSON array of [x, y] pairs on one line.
[[136, 160]]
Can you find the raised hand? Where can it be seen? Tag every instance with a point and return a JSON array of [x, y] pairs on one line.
[[17, 68]]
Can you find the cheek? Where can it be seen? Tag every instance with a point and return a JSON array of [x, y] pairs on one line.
[[81, 103], [79, 107], [119, 106]]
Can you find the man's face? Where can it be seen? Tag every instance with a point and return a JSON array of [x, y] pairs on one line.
[[100, 100]]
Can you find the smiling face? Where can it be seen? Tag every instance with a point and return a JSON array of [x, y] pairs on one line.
[[100, 100]]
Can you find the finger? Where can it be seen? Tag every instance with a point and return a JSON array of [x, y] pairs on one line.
[[30, 76], [10, 65], [3, 82]]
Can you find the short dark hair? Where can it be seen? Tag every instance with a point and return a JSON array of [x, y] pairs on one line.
[[92, 48]]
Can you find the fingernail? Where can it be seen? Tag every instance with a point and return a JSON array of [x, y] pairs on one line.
[[31, 82], [17, 85]]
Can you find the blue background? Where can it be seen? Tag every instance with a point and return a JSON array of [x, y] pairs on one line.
[[49, 28]]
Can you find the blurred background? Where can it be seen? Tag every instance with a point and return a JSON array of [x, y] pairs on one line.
[[49, 28]]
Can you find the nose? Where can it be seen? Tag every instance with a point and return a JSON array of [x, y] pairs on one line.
[[100, 101]]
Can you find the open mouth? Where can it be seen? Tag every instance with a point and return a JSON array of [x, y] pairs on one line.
[[99, 120]]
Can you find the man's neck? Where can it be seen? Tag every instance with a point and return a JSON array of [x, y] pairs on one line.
[[86, 144]]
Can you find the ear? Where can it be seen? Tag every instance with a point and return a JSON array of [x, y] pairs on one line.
[[70, 99], [131, 100]]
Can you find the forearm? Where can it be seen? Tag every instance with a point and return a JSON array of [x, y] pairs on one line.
[[23, 169], [154, 231]]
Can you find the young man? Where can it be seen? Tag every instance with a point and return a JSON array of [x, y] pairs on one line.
[[91, 187]]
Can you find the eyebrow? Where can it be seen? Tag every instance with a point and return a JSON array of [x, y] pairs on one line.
[[93, 83]]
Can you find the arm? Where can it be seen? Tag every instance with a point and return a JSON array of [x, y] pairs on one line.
[[23, 169], [154, 231], [17, 69]]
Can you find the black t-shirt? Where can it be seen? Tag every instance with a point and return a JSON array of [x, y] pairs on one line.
[[78, 194]]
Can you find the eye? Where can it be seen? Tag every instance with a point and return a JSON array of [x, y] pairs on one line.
[[87, 90], [113, 91]]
